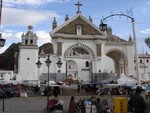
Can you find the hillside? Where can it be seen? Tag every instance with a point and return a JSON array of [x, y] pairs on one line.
[[7, 58]]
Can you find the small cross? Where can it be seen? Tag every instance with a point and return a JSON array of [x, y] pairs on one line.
[[78, 5]]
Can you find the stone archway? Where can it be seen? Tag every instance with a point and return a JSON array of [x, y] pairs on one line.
[[120, 61], [71, 69], [79, 46], [80, 54]]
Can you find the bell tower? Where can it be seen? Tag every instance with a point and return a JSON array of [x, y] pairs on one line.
[[28, 56]]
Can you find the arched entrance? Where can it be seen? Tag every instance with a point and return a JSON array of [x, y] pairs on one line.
[[120, 61], [71, 69], [78, 58]]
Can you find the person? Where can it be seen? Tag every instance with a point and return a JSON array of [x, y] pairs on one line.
[[137, 102], [98, 105], [104, 107], [72, 105], [55, 103]]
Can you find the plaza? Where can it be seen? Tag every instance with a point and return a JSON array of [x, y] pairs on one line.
[[37, 104]]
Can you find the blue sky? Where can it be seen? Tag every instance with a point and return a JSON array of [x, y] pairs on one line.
[[18, 14]]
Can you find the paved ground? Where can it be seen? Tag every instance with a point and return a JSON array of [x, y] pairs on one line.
[[32, 104], [36, 104]]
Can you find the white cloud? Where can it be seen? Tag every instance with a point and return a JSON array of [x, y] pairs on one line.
[[14, 16], [10, 34], [15, 37], [32, 2], [3, 49], [144, 11], [43, 37], [18, 35], [146, 31]]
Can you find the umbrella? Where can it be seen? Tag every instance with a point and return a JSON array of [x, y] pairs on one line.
[[51, 82], [102, 82], [134, 87]]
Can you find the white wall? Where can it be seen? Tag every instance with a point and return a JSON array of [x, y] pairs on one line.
[[27, 63], [129, 53]]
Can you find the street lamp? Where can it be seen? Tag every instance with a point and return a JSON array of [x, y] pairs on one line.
[[2, 43], [103, 28], [38, 66], [59, 63], [48, 62]]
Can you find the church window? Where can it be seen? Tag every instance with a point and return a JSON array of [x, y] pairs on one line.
[[140, 60], [87, 64], [69, 66], [134, 61], [26, 42], [147, 61], [79, 30], [31, 42], [28, 58]]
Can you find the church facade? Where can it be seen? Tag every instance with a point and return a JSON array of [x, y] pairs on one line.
[[86, 52]]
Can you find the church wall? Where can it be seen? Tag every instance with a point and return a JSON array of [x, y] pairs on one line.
[[144, 60], [54, 43], [27, 60], [108, 65], [53, 66], [98, 62], [54, 74], [128, 52], [69, 43]]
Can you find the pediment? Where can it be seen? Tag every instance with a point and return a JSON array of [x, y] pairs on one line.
[[70, 27]]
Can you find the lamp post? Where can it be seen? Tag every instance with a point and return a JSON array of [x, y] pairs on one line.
[[38, 66], [48, 62], [104, 27], [2, 43]]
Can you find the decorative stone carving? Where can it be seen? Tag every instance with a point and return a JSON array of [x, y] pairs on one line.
[[87, 48], [59, 48], [71, 28], [98, 49]]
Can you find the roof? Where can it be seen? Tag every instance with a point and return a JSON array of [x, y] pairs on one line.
[[144, 55], [69, 27]]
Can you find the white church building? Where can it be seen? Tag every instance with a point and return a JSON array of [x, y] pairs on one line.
[[87, 53]]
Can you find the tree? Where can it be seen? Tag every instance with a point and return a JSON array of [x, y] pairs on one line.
[[147, 41]]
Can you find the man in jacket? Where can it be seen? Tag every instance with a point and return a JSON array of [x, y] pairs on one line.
[[137, 101]]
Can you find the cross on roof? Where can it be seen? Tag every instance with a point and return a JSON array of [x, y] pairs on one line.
[[78, 5]]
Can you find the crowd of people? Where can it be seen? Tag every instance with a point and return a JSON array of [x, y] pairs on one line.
[[80, 106]]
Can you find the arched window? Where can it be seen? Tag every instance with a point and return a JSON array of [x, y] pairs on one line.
[[31, 42], [69, 66], [87, 64], [26, 42], [140, 60]]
